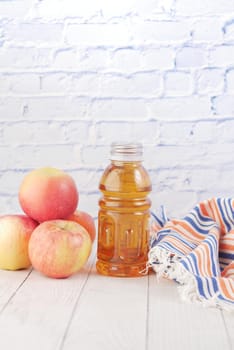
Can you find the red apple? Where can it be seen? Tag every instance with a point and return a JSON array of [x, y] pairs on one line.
[[15, 232], [85, 220], [48, 194], [59, 248]]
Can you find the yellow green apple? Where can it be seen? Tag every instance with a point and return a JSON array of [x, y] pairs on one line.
[[15, 232]]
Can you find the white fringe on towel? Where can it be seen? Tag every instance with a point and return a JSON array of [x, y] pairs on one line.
[[167, 265]]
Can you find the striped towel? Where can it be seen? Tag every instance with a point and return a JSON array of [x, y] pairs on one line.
[[198, 252]]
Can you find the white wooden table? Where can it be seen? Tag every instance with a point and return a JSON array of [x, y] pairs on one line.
[[89, 311]]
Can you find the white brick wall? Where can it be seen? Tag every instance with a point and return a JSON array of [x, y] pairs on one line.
[[75, 76]]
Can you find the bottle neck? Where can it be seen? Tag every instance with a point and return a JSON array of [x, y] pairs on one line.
[[126, 153]]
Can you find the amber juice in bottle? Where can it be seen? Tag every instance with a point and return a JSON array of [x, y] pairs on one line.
[[123, 219]]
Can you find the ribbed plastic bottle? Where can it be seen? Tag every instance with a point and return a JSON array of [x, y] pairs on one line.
[[124, 213]]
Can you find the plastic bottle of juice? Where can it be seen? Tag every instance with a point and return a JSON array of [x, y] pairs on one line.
[[123, 219]]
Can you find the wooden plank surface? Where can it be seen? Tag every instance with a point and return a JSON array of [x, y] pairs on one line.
[[89, 311], [112, 314], [38, 314], [10, 282], [228, 319], [181, 325]]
